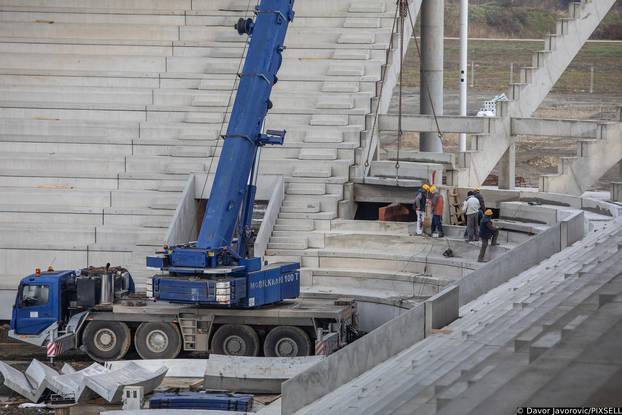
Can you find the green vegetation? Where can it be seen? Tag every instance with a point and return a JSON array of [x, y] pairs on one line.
[[520, 19], [494, 58]]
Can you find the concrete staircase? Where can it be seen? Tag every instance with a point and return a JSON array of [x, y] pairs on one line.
[[105, 108], [594, 158], [540, 339], [376, 262], [525, 96]]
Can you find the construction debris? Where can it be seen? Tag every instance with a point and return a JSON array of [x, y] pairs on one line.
[[79, 385]]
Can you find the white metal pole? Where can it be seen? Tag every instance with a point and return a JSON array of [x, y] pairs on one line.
[[464, 52]]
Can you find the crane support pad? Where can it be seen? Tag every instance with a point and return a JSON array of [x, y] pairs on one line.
[[202, 400]]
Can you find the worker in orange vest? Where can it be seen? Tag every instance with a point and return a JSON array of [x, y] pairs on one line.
[[437, 212]]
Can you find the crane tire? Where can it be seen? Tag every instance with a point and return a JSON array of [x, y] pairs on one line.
[[235, 340], [106, 340], [287, 341], [157, 340]]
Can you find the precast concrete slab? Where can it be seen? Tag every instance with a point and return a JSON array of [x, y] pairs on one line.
[[18, 382], [181, 368], [79, 385], [253, 374], [72, 382], [110, 385]]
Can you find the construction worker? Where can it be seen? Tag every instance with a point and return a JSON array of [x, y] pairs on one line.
[[427, 217], [482, 204], [487, 230], [419, 206], [437, 212], [471, 209]]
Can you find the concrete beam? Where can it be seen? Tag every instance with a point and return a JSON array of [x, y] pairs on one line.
[[557, 128], [446, 123]]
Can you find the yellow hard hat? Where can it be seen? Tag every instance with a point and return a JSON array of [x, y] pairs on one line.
[[426, 187], [488, 212], [476, 188], [432, 188]]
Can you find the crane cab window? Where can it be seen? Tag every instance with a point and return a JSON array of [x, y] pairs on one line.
[[34, 295]]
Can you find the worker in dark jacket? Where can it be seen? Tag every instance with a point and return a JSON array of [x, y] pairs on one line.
[[487, 230], [482, 204], [419, 206]]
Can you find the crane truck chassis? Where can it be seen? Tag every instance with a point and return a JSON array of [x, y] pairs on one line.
[[96, 310]]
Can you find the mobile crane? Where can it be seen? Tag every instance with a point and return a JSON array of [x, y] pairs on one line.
[[210, 295]]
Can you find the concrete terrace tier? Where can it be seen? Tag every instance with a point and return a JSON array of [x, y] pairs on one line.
[[107, 108], [518, 345]]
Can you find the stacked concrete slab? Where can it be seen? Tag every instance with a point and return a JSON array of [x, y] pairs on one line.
[[545, 338], [39, 380], [107, 107]]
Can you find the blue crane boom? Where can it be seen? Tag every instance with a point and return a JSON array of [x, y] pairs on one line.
[[222, 268]]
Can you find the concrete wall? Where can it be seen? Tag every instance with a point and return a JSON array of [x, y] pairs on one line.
[[373, 315], [524, 256], [353, 360], [184, 226], [442, 309], [270, 217]]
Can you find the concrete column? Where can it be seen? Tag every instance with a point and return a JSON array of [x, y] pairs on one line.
[[616, 191], [432, 48], [507, 169], [464, 53], [619, 114]]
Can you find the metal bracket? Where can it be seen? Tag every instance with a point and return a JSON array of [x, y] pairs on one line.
[[274, 137], [290, 15]]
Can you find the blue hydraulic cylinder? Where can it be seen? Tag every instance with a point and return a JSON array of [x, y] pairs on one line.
[[243, 136]]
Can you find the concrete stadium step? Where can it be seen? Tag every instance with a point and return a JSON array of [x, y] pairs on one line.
[[288, 242], [76, 6], [296, 36], [404, 284], [294, 225], [310, 207], [68, 62], [308, 215], [318, 154], [95, 199], [322, 8], [46, 17], [89, 31], [342, 225], [325, 172], [323, 137], [321, 70], [368, 295], [306, 189]]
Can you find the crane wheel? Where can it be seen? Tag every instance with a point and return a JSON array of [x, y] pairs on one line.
[[235, 340], [286, 341], [106, 340], [157, 341]]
